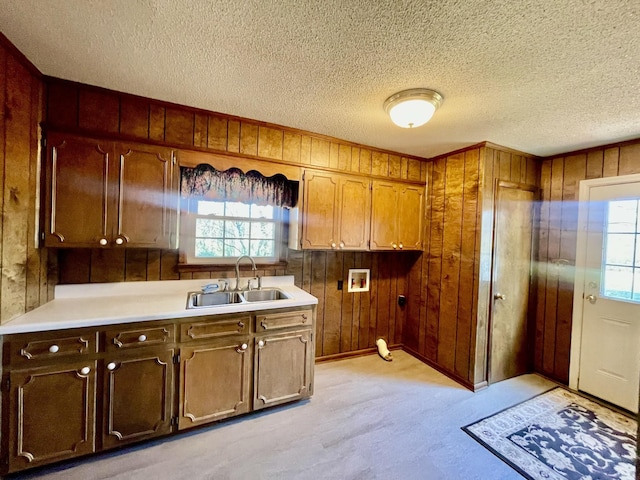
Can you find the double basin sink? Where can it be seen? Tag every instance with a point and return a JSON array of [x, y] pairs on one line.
[[215, 299]]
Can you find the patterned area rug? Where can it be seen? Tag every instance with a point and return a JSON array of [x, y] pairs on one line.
[[561, 435]]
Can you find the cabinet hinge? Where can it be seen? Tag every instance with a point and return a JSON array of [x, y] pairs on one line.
[[174, 420], [176, 358], [303, 174], [42, 236], [44, 142], [7, 384]]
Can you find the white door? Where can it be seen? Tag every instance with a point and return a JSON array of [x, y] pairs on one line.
[[609, 358]]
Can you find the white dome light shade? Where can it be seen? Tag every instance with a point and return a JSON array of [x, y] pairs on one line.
[[412, 108]]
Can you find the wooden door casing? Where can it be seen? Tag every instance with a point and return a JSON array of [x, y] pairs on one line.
[[144, 196], [282, 368], [77, 193], [61, 427], [215, 381], [138, 393], [509, 354]]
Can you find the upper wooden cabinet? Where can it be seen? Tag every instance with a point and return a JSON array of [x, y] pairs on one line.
[[104, 194], [336, 212], [397, 216]]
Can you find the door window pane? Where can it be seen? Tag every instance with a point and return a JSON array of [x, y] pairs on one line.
[[621, 251]]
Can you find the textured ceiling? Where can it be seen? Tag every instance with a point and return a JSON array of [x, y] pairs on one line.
[[540, 76]]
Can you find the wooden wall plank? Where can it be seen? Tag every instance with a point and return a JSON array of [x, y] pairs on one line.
[[373, 299], [318, 268], [379, 164], [134, 117], [395, 166], [404, 168], [168, 262], [414, 169], [74, 265], [449, 282], [424, 267], [383, 293], [233, 136], [248, 138], [610, 162], [365, 161], [356, 300], [305, 150], [364, 340], [156, 122], [153, 264], [334, 154], [320, 152], [200, 130], [595, 163], [439, 189], [107, 265], [629, 161], [179, 126], [355, 159], [135, 268], [217, 133], [270, 143], [99, 111], [346, 315], [467, 262], [333, 300], [291, 147], [344, 157], [62, 104]]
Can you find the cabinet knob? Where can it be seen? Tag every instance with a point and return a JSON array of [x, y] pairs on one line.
[[85, 370], [244, 346], [103, 241], [333, 245], [111, 366], [241, 324], [394, 245], [142, 338], [261, 343], [54, 348], [119, 241], [341, 244], [401, 246]]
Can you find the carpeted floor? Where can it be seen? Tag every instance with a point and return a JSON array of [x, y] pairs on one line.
[[369, 419], [561, 435]]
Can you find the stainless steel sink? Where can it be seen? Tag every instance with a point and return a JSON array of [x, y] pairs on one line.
[[212, 299], [265, 295]]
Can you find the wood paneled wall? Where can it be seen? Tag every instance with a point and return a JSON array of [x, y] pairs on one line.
[[346, 322], [560, 177], [447, 321], [23, 283], [78, 107]]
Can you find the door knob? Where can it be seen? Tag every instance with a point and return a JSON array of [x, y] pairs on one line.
[[591, 298], [499, 296]]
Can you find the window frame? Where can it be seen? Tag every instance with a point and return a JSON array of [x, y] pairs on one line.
[[188, 231]]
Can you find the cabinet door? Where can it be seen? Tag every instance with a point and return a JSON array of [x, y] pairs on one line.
[[146, 202], [321, 211], [410, 217], [283, 368], [214, 381], [77, 191], [138, 394], [355, 213], [384, 215], [60, 427]]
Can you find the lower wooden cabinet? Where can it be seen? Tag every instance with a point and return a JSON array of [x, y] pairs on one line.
[[283, 365], [215, 381], [138, 393], [75, 392], [51, 414]]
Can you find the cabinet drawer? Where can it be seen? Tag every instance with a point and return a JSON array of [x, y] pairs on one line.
[[140, 336], [31, 348], [214, 327], [274, 321]]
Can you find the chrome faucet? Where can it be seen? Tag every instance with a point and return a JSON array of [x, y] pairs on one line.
[[253, 267]]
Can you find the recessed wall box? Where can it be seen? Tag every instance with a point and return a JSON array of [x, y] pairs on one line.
[[358, 280]]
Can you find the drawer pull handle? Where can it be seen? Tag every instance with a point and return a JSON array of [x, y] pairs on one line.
[[142, 338], [54, 348], [85, 370], [261, 343], [111, 366], [304, 316], [241, 324]]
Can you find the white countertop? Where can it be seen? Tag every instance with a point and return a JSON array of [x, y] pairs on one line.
[[99, 304]]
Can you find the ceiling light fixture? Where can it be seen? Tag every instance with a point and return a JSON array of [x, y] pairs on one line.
[[412, 108]]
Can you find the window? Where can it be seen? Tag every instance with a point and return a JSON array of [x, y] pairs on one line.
[[621, 273], [225, 230]]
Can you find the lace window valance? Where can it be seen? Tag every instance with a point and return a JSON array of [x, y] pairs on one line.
[[204, 181]]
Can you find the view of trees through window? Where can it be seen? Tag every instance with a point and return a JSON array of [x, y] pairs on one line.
[[622, 251], [231, 229]]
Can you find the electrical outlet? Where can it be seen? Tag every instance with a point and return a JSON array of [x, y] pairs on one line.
[[340, 284]]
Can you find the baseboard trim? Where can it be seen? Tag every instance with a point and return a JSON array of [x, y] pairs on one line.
[[354, 353], [456, 378]]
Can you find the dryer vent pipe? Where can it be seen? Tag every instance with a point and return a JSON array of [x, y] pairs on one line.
[[383, 351]]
